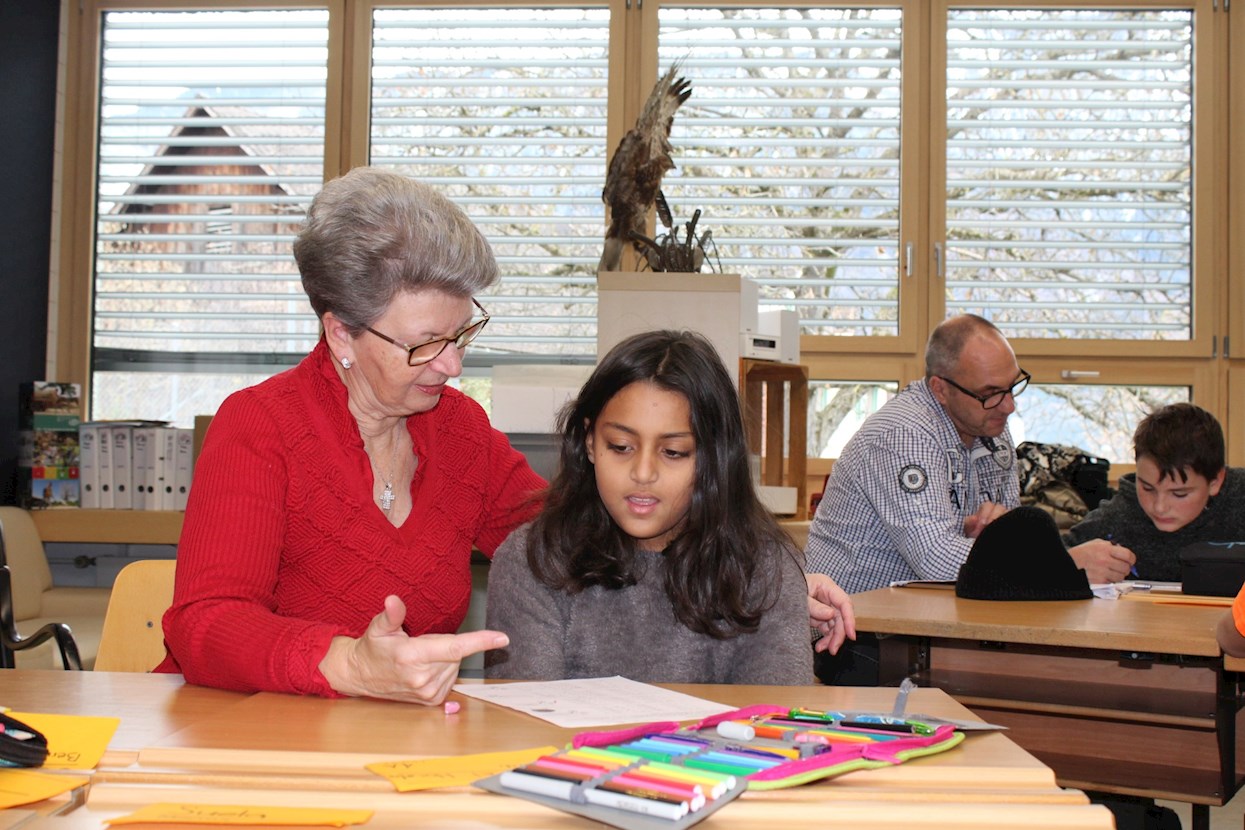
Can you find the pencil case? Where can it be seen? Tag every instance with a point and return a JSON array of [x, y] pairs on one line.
[[663, 776], [21, 745], [1212, 569]]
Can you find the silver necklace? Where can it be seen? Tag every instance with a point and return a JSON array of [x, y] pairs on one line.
[[387, 495]]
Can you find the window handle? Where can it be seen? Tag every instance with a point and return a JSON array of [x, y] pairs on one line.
[[1078, 374], [907, 259], [939, 268]]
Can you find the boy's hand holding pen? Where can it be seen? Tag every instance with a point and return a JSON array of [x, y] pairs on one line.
[[1132, 568], [1104, 560]]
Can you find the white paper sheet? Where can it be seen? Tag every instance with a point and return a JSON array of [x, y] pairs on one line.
[[1115, 590], [599, 701]]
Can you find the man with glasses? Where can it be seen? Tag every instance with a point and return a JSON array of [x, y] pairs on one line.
[[923, 476]]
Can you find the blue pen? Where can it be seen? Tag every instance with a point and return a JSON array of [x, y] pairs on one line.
[[1132, 569]]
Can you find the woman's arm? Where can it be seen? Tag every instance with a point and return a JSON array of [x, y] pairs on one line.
[[223, 628]]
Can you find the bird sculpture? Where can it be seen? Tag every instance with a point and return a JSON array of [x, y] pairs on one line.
[[633, 182]]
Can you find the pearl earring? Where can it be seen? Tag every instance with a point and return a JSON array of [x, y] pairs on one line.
[[346, 363]]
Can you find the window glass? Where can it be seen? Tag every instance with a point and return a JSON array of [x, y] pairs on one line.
[[1097, 418], [1069, 171], [504, 110], [789, 145], [211, 143], [836, 409]]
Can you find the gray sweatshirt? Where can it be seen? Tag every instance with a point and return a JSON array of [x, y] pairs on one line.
[[633, 632]]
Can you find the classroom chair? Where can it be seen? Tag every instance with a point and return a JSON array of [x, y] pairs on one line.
[[133, 639], [42, 626]]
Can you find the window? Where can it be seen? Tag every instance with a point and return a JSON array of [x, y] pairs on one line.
[[837, 409], [874, 166], [1096, 417], [790, 145], [1069, 171], [504, 110], [211, 143]]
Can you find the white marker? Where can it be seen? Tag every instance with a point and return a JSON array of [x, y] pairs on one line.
[[736, 731]]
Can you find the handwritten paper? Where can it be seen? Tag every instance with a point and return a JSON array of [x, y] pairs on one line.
[[74, 741], [599, 701], [22, 786], [458, 771], [226, 814]]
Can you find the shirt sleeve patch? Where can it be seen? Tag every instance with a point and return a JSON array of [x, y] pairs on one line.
[[913, 478]]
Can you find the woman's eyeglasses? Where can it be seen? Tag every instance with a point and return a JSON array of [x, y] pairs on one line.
[[428, 351], [994, 398]]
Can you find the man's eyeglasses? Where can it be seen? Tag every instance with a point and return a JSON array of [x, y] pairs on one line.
[[428, 351], [994, 398]]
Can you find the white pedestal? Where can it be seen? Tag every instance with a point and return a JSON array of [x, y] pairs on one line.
[[719, 306]]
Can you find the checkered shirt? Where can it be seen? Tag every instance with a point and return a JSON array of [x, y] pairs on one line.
[[895, 504]]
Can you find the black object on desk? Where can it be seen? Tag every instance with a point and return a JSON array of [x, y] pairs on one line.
[[1214, 569]]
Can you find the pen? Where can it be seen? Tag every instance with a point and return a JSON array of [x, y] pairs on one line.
[[1132, 569], [564, 790], [912, 727]]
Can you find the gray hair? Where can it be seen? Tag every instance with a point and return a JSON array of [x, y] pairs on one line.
[[372, 234], [947, 341]]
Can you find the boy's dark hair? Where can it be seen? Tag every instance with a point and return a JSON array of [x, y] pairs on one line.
[[1180, 436], [719, 573]]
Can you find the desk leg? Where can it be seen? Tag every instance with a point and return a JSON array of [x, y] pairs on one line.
[[1225, 722], [1201, 817], [900, 657]]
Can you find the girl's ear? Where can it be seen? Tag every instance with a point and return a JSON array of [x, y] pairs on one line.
[[588, 438]]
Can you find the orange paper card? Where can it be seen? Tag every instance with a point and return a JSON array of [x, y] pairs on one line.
[[74, 741], [458, 771], [228, 814]]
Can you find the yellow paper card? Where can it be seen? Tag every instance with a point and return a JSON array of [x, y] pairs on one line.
[[456, 771], [23, 786], [228, 814], [74, 741]]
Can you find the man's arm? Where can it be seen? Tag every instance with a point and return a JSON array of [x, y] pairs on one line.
[[910, 491]]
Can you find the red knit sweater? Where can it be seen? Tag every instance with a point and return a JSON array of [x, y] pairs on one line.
[[283, 547]]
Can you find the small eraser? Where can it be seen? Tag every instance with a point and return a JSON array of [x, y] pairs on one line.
[[736, 731], [452, 707]]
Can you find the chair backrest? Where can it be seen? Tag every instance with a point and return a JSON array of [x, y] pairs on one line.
[[133, 638], [24, 554]]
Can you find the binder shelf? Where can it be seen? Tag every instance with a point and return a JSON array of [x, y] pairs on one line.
[[117, 527]]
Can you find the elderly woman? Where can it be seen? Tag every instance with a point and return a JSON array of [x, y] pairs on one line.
[[328, 536]]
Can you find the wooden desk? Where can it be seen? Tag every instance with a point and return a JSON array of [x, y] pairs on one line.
[[1116, 695], [272, 749]]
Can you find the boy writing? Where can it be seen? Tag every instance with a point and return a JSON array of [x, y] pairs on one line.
[[1181, 493]]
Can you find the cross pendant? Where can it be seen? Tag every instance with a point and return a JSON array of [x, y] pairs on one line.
[[386, 498]]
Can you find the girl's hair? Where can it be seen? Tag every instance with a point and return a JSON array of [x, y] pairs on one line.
[[720, 574], [373, 233]]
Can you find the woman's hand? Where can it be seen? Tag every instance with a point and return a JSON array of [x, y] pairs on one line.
[[387, 663], [830, 612]]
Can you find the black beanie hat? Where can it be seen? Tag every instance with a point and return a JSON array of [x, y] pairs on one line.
[[1020, 556]]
